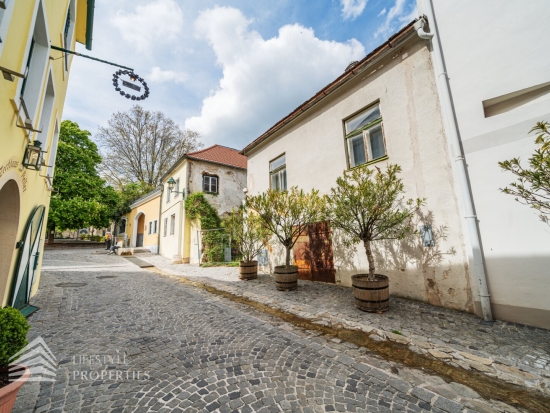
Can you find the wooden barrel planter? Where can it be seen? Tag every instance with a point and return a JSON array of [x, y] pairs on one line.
[[371, 296], [248, 270], [286, 277]]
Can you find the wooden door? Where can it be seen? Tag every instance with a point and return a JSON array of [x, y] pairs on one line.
[[313, 253], [301, 256]]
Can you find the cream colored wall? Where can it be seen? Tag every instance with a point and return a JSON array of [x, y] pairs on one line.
[[13, 140], [150, 209], [315, 156], [484, 65], [171, 245]]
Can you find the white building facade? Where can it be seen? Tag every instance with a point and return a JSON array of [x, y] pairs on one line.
[[220, 173], [497, 65], [383, 109]]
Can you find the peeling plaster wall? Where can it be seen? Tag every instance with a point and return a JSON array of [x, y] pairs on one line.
[[315, 156]]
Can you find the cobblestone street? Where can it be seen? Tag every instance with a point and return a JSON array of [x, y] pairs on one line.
[[169, 347]]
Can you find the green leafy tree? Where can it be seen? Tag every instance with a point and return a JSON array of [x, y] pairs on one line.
[[247, 231], [533, 185], [286, 214], [81, 198], [368, 205]]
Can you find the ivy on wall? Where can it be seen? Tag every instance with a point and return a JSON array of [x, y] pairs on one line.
[[198, 207]]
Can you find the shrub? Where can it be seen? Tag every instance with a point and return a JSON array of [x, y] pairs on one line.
[[13, 333]]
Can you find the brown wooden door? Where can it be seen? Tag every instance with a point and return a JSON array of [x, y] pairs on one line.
[[301, 256], [313, 253]]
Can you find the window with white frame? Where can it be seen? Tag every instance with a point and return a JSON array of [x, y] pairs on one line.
[[53, 153], [36, 59], [277, 173], [150, 228], [47, 111], [177, 190], [210, 184], [155, 226], [165, 226], [172, 224], [365, 137], [168, 192]]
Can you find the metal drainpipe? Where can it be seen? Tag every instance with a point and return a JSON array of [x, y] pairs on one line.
[[451, 128], [160, 217]]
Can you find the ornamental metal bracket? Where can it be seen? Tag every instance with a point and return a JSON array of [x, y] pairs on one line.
[[133, 77]]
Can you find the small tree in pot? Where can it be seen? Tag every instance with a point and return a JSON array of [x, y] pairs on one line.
[[286, 214], [13, 338], [367, 205], [250, 236]]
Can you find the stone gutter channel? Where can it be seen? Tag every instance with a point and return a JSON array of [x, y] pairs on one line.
[[490, 378]]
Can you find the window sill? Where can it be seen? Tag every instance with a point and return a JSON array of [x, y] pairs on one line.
[[383, 158], [212, 193]]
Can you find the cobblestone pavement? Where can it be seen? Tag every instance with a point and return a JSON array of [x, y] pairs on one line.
[[514, 353], [166, 346]]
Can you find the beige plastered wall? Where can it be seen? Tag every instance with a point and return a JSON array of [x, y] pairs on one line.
[[404, 86], [149, 208]]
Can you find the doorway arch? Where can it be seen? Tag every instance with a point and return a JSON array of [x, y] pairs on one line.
[[139, 230], [9, 224]]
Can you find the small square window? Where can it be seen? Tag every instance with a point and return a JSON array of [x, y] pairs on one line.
[[277, 172], [365, 137], [172, 224], [210, 184]]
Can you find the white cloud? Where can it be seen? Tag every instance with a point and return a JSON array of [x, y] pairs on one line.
[[382, 12], [398, 16], [157, 22], [351, 9], [263, 80], [159, 75]]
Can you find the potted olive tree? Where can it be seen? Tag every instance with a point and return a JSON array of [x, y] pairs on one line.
[[13, 338], [368, 205], [250, 236], [286, 214]]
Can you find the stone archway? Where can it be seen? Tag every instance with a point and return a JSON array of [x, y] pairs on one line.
[[9, 224]]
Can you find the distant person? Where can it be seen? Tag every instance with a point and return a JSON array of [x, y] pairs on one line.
[[108, 240], [115, 247]]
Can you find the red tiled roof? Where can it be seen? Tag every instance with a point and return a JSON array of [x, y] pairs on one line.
[[220, 154]]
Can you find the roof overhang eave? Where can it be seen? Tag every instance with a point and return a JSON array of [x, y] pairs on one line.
[[383, 50]]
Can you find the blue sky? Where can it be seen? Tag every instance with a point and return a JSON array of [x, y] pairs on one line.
[[228, 69]]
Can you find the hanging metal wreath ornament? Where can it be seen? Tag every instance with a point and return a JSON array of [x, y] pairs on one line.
[[134, 77]]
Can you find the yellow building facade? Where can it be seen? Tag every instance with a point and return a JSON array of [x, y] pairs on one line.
[[141, 228], [32, 94]]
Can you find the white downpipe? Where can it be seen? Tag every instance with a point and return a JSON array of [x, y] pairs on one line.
[[451, 128]]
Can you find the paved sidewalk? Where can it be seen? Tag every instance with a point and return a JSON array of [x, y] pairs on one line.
[[514, 353]]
